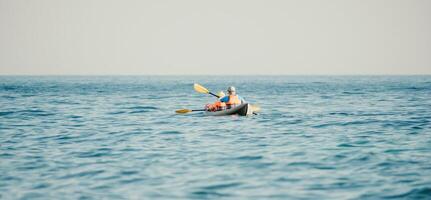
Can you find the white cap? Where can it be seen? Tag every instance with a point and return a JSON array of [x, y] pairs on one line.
[[231, 89]]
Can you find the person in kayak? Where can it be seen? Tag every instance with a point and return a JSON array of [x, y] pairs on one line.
[[218, 105], [232, 99]]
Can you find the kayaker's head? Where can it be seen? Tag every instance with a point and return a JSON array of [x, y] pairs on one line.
[[220, 94], [231, 90]]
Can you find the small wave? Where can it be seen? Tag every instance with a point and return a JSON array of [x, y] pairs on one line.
[[61, 137], [395, 151], [8, 178], [5, 113], [143, 108], [350, 93], [392, 164], [346, 145], [206, 194], [340, 113], [139, 111], [95, 153], [417, 127], [170, 132], [326, 97], [116, 112], [9, 87], [129, 149], [325, 125], [416, 88], [416, 193], [130, 172], [6, 155], [293, 164], [8, 97], [362, 122], [250, 158], [311, 165], [74, 116], [361, 159], [28, 95], [83, 174], [32, 166], [221, 186], [133, 180], [36, 112], [41, 186], [324, 167], [285, 179], [103, 187]]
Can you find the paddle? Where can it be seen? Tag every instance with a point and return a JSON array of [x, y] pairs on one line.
[[183, 111], [202, 89]]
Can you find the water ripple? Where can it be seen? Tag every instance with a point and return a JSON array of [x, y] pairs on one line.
[[119, 138]]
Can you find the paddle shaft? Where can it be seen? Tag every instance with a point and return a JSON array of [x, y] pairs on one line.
[[198, 110], [213, 94]]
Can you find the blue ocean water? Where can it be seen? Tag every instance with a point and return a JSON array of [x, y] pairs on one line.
[[317, 137]]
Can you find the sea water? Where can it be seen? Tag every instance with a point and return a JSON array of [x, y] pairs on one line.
[[118, 137]]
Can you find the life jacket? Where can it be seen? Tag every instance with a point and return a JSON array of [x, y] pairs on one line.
[[233, 101], [219, 104], [216, 106]]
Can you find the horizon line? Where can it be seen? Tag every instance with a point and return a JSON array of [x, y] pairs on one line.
[[215, 74]]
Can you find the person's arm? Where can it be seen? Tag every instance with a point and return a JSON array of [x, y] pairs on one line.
[[224, 99]]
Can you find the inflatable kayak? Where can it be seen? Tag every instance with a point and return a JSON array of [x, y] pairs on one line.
[[243, 110]]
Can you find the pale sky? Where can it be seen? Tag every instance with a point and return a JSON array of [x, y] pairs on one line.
[[240, 37]]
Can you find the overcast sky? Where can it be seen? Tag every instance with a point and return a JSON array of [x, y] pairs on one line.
[[306, 37]]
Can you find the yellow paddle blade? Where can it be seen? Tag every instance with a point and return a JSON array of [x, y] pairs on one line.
[[182, 111], [200, 89], [256, 108]]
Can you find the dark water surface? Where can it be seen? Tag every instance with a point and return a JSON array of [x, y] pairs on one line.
[[324, 137]]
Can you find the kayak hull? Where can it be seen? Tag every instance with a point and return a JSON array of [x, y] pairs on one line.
[[242, 110]]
